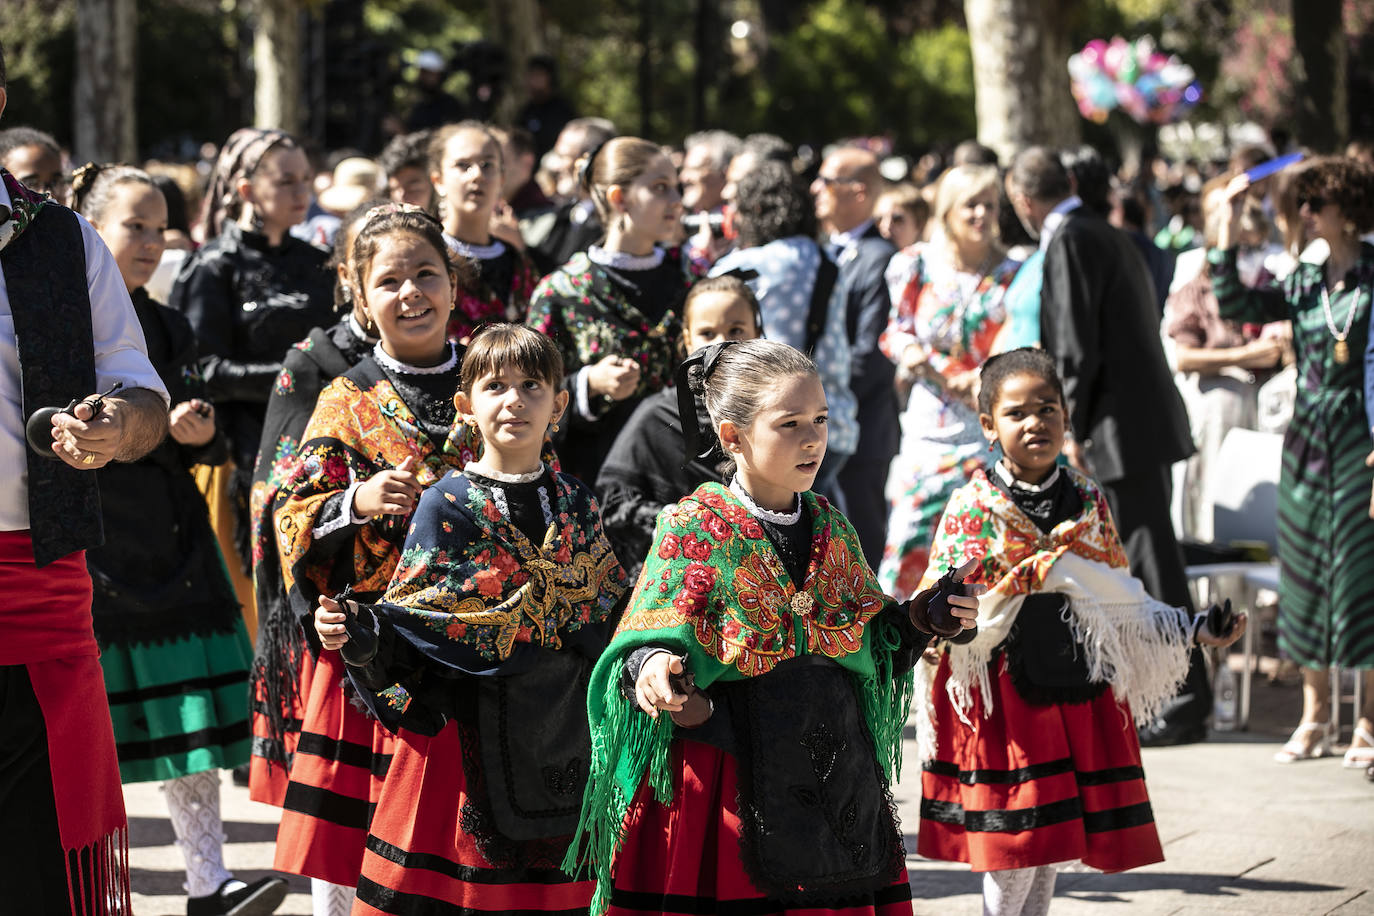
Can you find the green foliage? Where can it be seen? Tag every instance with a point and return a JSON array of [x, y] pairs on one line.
[[841, 72], [186, 43], [40, 39], [412, 26]]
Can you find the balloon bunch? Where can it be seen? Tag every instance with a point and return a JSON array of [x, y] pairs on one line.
[[1150, 86]]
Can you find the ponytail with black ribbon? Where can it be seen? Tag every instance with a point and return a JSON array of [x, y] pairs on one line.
[[691, 387]]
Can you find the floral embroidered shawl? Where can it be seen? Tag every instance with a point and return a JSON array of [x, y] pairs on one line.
[[714, 588], [357, 430], [589, 318], [482, 305], [1014, 555], [470, 587]]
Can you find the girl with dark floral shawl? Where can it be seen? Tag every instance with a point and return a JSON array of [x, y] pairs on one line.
[[1029, 753], [467, 168], [785, 670], [380, 434], [479, 654], [280, 663], [613, 310]]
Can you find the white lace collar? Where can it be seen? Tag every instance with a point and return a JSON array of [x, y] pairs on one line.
[[621, 260], [501, 477], [475, 252], [395, 365], [1001, 469], [767, 515]]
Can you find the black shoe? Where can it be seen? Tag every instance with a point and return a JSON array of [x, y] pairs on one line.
[[240, 774], [260, 898], [1163, 733]]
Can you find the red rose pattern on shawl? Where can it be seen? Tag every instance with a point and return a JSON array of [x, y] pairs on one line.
[[472, 310], [715, 569], [1015, 556]]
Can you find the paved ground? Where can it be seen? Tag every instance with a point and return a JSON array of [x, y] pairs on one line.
[[1241, 835]]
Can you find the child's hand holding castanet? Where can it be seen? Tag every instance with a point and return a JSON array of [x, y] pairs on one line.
[[1218, 627], [951, 606], [329, 623]]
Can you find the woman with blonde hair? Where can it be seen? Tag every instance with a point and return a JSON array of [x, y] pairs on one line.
[[946, 311]]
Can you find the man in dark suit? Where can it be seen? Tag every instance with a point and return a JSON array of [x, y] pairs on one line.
[[846, 191], [1099, 318]]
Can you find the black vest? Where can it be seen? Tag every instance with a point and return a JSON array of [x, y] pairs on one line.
[[45, 275]]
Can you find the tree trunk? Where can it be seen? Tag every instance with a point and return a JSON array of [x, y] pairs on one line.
[[1320, 53], [106, 129], [518, 27], [1020, 74], [278, 53]]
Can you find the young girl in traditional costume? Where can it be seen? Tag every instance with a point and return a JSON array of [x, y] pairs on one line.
[[380, 434], [644, 470], [1030, 755], [174, 649], [613, 310], [785, 670], [467, 170], [479, 654], [281, 666]]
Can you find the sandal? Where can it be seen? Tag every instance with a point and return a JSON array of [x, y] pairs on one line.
[[1297, 747], [1357, 757]]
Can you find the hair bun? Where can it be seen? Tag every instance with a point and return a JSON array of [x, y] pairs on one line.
[[84, 176], [584, 164]]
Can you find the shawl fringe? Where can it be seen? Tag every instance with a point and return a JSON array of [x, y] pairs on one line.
[[98, 876], [1131, 641]]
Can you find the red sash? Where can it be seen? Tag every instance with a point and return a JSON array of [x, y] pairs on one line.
[[45, 625]]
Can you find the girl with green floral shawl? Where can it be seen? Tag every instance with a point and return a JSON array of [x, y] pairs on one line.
[[785, 670]]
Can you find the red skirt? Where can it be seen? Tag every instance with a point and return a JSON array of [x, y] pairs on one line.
[[1033, 785], [421, 860], [684, 858], [341, 759], [267, 779]]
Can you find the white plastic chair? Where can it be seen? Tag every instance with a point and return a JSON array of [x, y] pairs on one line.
[[1242, 489]]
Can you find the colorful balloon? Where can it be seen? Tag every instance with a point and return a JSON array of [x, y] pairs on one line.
[[1150, 86]]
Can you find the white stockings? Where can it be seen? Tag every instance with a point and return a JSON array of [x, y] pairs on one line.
[[193, 802], [330, 899], [1018, 891]]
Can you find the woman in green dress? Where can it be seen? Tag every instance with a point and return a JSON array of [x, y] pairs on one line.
[[1326, 535]]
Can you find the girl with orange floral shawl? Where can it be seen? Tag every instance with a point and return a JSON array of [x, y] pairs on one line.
[[380, 434], [1029, 753]]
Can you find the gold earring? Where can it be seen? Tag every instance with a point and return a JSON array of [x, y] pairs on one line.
[[555, 426]]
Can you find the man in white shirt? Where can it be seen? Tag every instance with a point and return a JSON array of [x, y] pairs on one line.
[[67, 331]]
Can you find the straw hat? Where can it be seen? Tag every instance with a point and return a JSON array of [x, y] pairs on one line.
[[355, 180]]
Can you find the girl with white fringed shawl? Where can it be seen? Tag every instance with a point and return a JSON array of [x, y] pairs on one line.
[[1027, 737]]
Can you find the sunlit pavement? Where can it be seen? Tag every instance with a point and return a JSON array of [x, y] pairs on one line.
[[1241, 835]]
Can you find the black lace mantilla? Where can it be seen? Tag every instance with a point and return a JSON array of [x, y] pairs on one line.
[[817, 818]]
